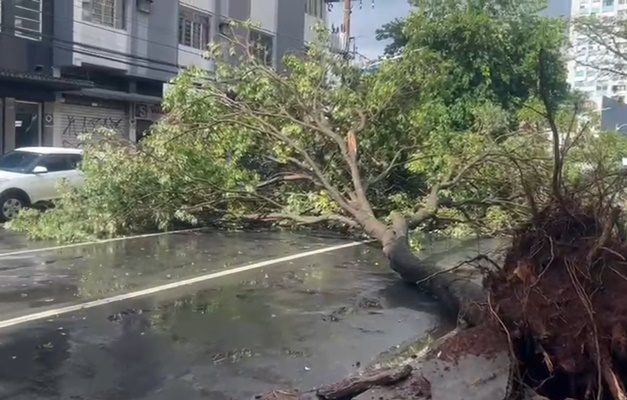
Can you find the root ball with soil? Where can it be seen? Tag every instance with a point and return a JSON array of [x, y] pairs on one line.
[[562, 297]]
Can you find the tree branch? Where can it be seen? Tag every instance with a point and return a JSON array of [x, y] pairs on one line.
[[308, 160], [549, 107], [285, 177], [392, 164], [302, 219]]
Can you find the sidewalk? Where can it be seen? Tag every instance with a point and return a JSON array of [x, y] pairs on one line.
[[459, 365]]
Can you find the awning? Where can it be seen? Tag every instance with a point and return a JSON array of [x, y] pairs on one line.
[[43, 81], [116, 95]]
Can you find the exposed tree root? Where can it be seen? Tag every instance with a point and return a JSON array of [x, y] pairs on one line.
[[562, 298]]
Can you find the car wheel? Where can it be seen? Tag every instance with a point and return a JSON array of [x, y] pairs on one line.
[[10, 206]]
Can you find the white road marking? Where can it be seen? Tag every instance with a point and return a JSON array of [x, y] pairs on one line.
[[156, 289], [67, 246]]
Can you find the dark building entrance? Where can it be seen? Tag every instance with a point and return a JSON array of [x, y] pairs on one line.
[[27, 100]]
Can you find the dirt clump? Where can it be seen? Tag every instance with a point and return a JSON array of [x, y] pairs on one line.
[[481, 341], [561, 298]]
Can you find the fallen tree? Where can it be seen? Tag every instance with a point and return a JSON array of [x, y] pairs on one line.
[[425, 144], [468, 132]]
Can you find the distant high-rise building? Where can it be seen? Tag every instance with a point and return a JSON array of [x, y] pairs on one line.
[[587, 55]]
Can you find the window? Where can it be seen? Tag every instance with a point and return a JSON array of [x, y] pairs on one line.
[[27, 124], [28, 19], [193, 29], [18, 161], [105, 12], [262, 47], [315, 8], [60, 162], [608, 3]]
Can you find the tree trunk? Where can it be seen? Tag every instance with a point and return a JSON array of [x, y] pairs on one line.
[[460, 296]]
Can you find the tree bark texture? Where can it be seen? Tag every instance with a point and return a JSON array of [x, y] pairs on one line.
[[459, 296]]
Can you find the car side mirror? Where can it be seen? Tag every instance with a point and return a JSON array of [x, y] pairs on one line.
[[40, 169]]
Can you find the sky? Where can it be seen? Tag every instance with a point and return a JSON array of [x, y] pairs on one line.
[[367, 20]]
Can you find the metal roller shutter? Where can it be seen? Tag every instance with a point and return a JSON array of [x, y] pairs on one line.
[[74, 120]]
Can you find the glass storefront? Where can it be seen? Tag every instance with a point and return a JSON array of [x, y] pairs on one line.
[[28, 124]]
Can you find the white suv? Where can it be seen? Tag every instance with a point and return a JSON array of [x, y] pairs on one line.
[[29, 175]]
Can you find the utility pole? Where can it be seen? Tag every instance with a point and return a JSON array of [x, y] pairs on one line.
[[345, 29], [347, 25]]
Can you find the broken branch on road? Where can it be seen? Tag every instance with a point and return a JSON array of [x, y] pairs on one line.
[[345, 389]]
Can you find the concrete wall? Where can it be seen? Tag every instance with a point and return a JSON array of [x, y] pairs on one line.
[[240, 10], [265, 13], [108, 39], [147, 44], [157, 39], [9, 124], [47, 134], [63, 32], [204, 5], [290, 27], [310, 23]]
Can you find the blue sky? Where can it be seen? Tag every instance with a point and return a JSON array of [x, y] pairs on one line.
[[367, 20]]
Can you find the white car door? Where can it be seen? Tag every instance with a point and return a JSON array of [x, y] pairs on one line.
[[59, 167]]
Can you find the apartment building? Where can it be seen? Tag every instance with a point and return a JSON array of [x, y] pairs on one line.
[[281, 26], [581, 73], [77, 65]]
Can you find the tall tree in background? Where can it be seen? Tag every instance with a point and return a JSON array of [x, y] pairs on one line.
[[393, 33]]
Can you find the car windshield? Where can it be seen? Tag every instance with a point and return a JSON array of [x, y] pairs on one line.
[[18, 161]]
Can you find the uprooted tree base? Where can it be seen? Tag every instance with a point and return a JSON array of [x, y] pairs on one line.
[[562, 297]]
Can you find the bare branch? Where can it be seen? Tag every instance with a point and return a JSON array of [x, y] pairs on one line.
[[285, 177]]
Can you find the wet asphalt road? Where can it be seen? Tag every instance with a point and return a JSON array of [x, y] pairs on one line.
[[299, 323]]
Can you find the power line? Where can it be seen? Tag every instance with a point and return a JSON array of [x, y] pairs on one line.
[[176, 47]]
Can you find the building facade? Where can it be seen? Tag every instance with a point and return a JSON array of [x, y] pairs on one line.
[[28, 86], [582, 74], [77, 65]]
